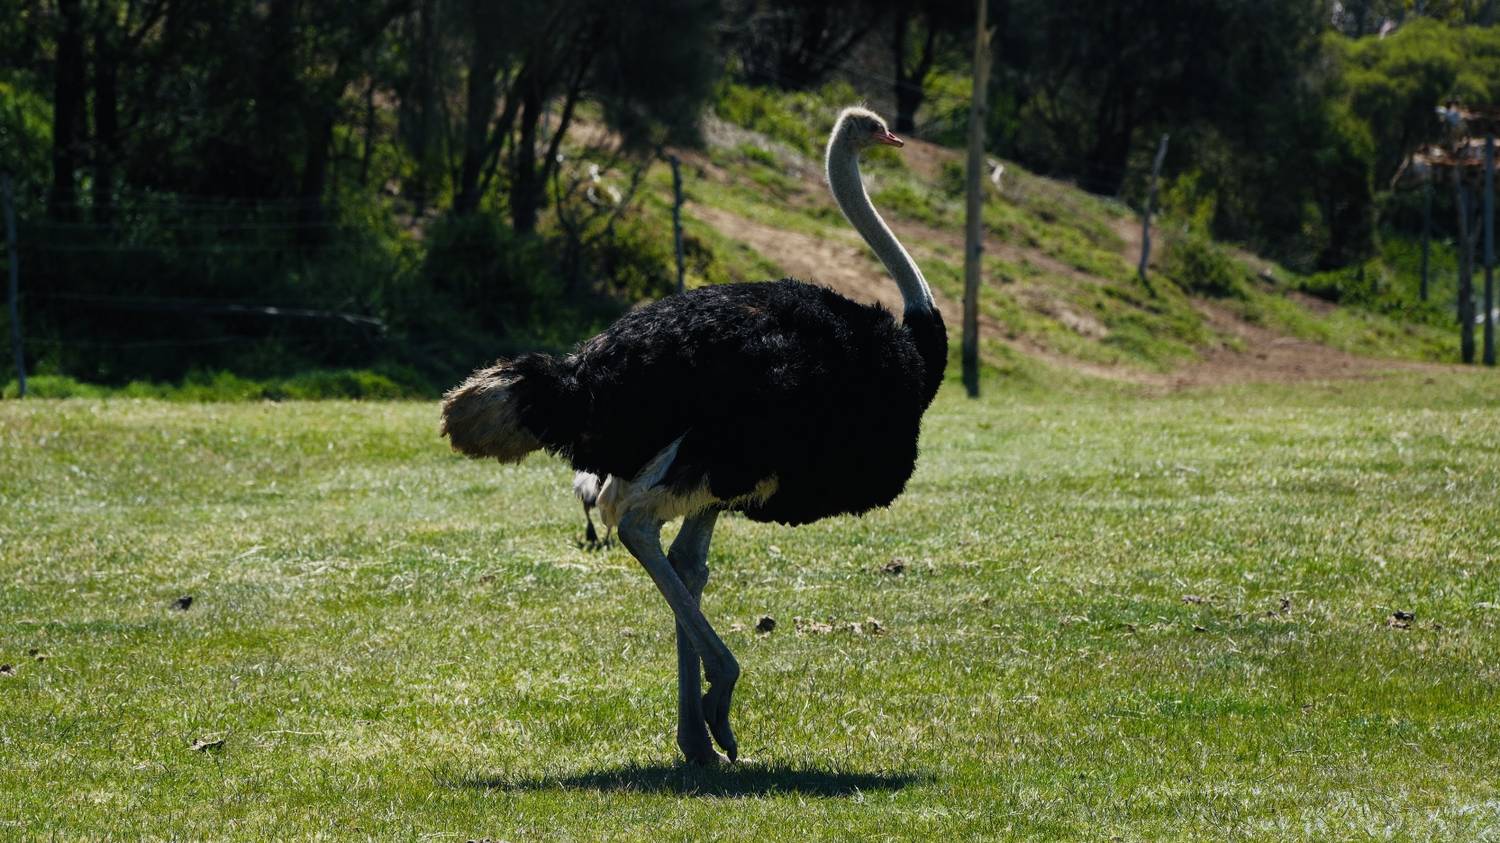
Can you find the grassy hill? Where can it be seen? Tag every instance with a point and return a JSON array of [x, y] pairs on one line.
[[1060, 290]]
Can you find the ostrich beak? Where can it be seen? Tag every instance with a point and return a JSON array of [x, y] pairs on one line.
[[884, 136]]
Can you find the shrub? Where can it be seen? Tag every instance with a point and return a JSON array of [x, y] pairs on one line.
[[53, 386], [1197, 265], [487, 270], [637, 262], [359, 384]]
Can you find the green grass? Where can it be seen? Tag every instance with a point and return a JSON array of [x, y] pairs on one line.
[[394, 643]]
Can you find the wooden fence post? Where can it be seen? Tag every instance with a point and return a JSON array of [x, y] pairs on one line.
[[1465, 276], [15, 284], [1426, 231], [1161, 154], [974, 205], [677, 220], [1489, 251]]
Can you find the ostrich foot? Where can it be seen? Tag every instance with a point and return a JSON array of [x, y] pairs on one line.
[[595, 544], [590, 535], [716, 715], [699, 752]]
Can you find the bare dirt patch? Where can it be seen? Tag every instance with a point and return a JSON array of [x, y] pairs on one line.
[[1270, 357]]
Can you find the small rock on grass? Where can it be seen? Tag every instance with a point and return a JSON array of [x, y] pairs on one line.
[[183, 603], [1400, 619]]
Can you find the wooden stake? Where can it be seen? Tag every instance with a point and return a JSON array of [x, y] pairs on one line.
[[1161, 154], [1489, 251], [677, 220], [15, 283], [974, 205], [1426, 232], [1465, 279]]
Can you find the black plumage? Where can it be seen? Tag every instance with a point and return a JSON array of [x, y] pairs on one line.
[[777, 379]]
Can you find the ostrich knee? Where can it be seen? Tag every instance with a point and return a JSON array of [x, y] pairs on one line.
[[689, 553], [694, 574], [641, 535]]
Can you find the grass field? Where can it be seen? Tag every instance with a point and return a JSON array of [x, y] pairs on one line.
[[1120, 617]]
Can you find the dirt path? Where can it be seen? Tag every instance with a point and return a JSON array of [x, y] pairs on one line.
[[1269, 357]]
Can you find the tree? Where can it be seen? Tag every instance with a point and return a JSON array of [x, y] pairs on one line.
[[797, 44], [1094, 77], [69, 97], [648, 66], [920, 31]]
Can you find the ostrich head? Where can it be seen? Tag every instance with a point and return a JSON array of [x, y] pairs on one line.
[[858, 127]]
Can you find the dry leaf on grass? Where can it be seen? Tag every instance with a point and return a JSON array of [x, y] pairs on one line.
[[808, 626], [207, 742]]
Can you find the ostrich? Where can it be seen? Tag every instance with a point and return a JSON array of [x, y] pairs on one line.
[[781, 400]]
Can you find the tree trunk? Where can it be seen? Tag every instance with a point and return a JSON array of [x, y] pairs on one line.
[[420, 135], [1113, 126], [106, 120], [911, 84], [369, 139], [905, 108], [525, 186], [271, 172], [479, 107], [68, 95], [310, 216]]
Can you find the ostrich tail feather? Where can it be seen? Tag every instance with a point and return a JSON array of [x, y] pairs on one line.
[[482, 415]]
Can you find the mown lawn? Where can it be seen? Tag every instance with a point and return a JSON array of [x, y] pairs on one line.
[[1119, 617]]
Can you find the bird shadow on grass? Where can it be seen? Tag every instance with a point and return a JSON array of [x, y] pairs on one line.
[[735, 780]]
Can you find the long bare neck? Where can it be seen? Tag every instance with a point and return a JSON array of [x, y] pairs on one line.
[[849, 192]]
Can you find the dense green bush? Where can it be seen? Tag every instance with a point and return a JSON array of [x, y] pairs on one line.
[[636, 262], [483, 267], [1198, 265]]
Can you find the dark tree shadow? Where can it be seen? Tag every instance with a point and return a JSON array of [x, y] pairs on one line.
[[733, 780]]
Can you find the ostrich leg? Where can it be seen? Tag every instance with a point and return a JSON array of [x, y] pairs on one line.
[[641, 534], [689, 557]]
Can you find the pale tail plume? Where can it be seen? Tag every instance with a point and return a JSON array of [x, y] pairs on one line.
[[481, 417]]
